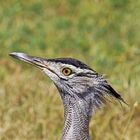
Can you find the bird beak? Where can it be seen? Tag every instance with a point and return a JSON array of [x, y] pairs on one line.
[[29, 59]]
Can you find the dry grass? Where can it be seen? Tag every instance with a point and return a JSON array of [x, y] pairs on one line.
[[32, 109]]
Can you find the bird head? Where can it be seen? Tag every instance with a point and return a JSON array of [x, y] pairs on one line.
[[73, 78], [68, 74]]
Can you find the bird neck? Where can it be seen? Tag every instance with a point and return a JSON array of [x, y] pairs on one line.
[[76, 123]]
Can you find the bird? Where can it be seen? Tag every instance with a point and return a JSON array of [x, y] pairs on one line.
[[83, 91]]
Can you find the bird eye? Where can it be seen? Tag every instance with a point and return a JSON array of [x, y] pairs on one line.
[[67, 71]]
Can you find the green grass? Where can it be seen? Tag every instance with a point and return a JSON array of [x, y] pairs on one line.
[[104, 34]]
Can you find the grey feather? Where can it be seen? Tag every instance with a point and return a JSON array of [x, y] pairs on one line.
[[83, 92]]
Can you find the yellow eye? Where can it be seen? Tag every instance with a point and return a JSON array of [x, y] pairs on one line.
[[67, 71]]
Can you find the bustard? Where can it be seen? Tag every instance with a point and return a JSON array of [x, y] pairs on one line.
[[83, 91]]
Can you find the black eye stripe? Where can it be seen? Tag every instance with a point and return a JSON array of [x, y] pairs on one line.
[[71, 61], [86, 74]]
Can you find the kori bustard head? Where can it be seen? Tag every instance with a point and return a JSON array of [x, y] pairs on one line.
[[82, 90]]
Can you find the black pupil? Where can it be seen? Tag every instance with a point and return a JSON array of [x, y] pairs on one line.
[[66, 71]]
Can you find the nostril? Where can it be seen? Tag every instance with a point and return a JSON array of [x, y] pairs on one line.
[[36, 60]]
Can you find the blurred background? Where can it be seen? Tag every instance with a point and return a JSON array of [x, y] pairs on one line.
[[105, 34]]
